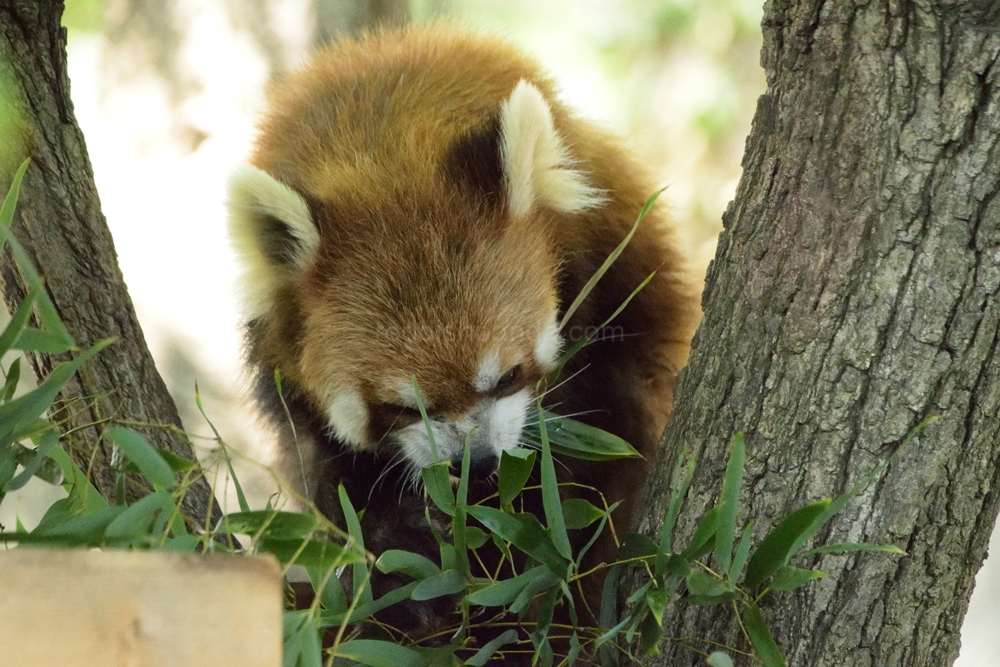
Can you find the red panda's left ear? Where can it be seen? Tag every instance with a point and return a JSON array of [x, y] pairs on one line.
[[538, 168], [272, 232]]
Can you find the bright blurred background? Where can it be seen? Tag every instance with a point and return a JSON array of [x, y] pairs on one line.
[[167, 92]]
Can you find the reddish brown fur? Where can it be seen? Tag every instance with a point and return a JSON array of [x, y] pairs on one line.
[[363, 133]]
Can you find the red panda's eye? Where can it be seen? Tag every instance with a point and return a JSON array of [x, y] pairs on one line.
[[508, 383]]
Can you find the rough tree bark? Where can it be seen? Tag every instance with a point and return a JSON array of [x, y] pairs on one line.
[[59, 222], [855, 293]]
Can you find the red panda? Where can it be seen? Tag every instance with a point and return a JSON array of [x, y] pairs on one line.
[[420, 204]]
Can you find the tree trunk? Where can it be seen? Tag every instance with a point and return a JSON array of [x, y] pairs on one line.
[[855, 293], [60, 224]]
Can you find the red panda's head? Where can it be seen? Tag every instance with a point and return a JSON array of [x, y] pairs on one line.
[[396, 226]]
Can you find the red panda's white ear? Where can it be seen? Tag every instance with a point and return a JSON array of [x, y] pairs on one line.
[[537, 166], [272, 233]]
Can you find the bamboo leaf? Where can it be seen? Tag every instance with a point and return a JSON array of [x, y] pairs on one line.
[[138, 450], [551, 502], [361, 590], [683, 476], [448, 582], [506, 591], [579, 513], [569, 437], [138, 518], [760, 637], [437, 481], [590, 284], [701, 541], [730, 499], [377, 653], [788, 578], [719, 659], [491, 647], [409, 563], [524, 532], [848, 547], [46, 442], [272, 524], [779, 545], [515, 468]]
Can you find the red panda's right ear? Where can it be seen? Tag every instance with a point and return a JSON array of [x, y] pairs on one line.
[[272, 232]]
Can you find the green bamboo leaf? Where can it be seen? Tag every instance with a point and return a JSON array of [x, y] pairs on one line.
[[81, 491], [742, 553], [729, 502], [62, 521], [46, 311], [291, 649], [590, 284], [474, 537], [701, 541], [437, 481], [322, 555], [540, 637], [271, 524], [650, 632], [427, 422], [10, 201], [551, 502], [524, 532], [506, 591], [411, 564], [138, 450], [848, 547], [593, 332], [22, 412], [515, 468], [702, 583], [8, 466], [362, 591], [13, 377], [609, 616], [360, 613], [779, 545], [327, 586], [719, 659], [569, 437], [311, 649], [578, 513], [182, 543], [788, 578], [376, 653], [46, 441], [491, 647], [19, 320], [46, 342], [443, 583], [656, 600], [137, 520], [180, 464], [760, 637], [682, 478], [241, 498], [459, 520]]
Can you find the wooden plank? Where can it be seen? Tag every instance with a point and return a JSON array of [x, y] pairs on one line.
[[138, 609]]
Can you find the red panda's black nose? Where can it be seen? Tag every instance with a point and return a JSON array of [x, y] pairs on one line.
[[481, 464]]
